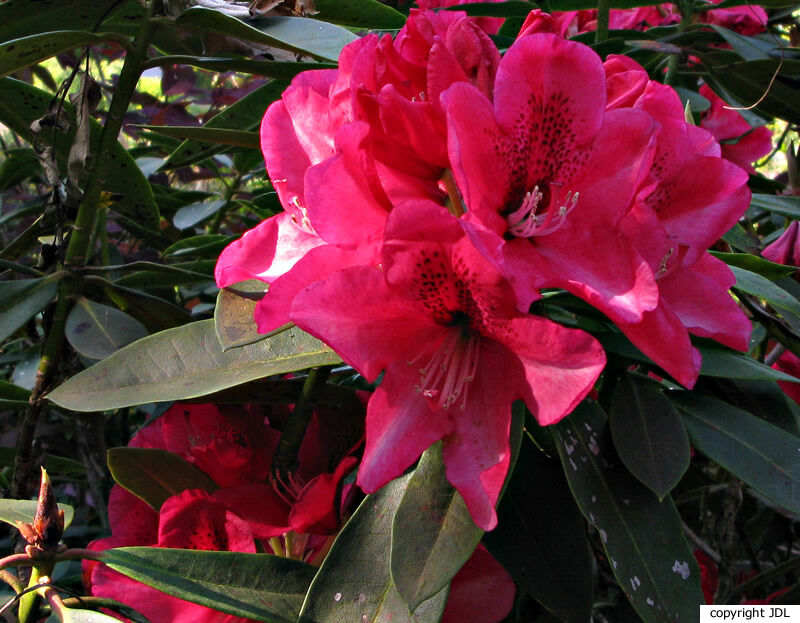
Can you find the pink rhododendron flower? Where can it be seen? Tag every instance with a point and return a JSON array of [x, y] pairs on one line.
[[785, 250], [676, 216], [234, 447], [479, 578], [789, 363], [192, 520], [376, 126], [551, 174], [441, 322], [740, 142], [490, 25]]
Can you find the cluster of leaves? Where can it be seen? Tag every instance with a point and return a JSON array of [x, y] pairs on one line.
[[117, 202]]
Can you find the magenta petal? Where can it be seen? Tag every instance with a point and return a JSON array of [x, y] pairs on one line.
[[550, 93], [400, 427], [352, 311], [700, 298], [560, 365], [265, 512], [785, 250], [481, 592], [194, 520], [658, 328], [315, 510], [265, 252], [133, 520], [272, 311]]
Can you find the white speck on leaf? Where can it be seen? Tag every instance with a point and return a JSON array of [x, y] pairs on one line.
[[650, 602], [635, 582], [337, 597], [604, 535], [593, 447], [574, 467], [682, 569]]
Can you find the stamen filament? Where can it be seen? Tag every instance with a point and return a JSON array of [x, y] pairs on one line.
[[525, 223], [450, 369]]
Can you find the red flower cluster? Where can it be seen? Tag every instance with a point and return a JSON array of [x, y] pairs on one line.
[[234, 447], [433, 191]]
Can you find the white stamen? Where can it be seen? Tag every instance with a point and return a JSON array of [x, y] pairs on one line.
[[525, 223], [450, 369], [305, 222], [663, 267]]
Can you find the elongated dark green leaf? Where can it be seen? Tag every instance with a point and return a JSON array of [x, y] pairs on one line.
[[749, 48], [643, 537], [12, 511], [717, 361], [540, 538], [648, 434], [280, 70], [19, 53], [433, 534], [764, 456], [233, 320], [191, 215], [22, 103], [155, 475], [255, 586], [297, 34], [21, 300], [755, 264], [355, 582], [359, 13], [185, 362], [751, 82], [154, 313], [97, 331], [788, 205], [763, 288], [245, 114], [53, 464], [9, 391], [219, 136], [174, 274], [20, 18], [202, 246]]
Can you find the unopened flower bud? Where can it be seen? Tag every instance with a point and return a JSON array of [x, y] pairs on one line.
[[48, 523]]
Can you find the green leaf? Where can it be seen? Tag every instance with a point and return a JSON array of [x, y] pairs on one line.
[[53, 464], [755, 264], [13, 397], [764, 456], [21, 300], [354, 582], [185, 362], [96, 331], [20, 18], [545, 551], [648, 434], [297, 34], [217, 136], [155, 475], [749, 48], [233, 320], [718, 361], [245, 114], [785, 205], [369, 14], [255, 586], [763, 288], [17, 166], [433, 534], [12, 511], [279, 70], [642, 537], [751, 82], [22, 103], [161, 275], [191, 215], [20, 53], [198, 246]]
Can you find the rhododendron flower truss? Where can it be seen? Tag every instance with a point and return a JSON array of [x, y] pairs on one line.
[[549, 171], [441, 322]]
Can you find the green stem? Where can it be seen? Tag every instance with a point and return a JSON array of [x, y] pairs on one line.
[[78, 249], [285, 458], [675, 60], [603, 16]]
